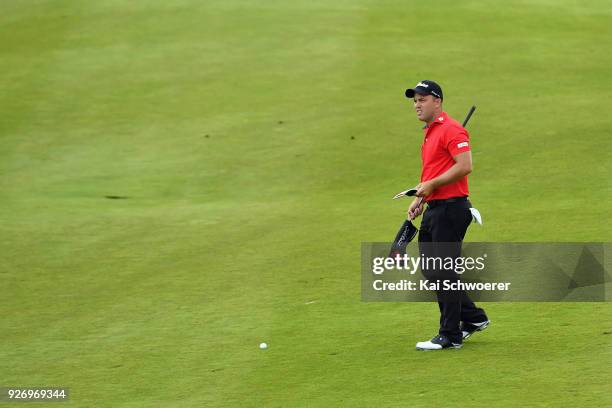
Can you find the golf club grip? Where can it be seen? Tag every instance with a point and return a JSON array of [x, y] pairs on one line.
[[469, 115], [421, 199]]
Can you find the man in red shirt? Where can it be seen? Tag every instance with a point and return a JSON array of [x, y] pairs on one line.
[[446, 160]]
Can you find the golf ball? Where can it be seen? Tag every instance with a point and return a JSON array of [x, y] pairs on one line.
[[263, 346]]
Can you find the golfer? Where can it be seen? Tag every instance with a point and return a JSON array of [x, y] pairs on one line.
[[447, 161]]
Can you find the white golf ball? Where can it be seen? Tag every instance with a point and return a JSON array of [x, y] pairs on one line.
[[263, 346]]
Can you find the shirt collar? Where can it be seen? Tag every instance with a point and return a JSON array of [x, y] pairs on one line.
[[443, 117]]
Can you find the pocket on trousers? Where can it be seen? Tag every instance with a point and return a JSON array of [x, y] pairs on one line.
[[460, 218]]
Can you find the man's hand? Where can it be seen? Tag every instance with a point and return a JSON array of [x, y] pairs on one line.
[[426, 188], [415, 209]]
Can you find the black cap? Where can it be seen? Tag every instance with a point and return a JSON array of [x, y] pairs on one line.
[[425, 87]]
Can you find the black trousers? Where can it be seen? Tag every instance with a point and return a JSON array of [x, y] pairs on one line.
[[441, 234]]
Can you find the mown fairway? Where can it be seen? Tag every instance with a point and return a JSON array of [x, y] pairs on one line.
[[253, 146]]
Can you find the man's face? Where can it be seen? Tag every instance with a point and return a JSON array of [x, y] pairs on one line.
[[425, 107]]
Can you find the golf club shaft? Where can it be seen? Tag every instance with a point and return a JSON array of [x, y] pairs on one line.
[[469, 115]]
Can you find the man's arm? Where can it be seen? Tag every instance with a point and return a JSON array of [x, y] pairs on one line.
[[461, 168]]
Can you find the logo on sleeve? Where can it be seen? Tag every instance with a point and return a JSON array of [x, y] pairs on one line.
[[462, 144]]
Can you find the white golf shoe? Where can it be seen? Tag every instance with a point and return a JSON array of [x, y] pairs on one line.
[[439, 342], [467, 329]]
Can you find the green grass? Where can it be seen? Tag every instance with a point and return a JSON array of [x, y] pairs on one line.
[[253, 232]]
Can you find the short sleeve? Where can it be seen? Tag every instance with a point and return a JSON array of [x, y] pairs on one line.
[[457, 141]]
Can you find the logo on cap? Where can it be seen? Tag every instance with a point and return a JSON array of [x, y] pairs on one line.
[[422, 84]]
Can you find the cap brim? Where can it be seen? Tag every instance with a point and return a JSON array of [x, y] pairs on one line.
[[411, 92]]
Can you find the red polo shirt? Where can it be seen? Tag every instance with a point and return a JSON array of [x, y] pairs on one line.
[[444, 138]]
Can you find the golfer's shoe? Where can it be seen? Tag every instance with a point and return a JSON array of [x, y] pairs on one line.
[[437, 343], [467, 329]]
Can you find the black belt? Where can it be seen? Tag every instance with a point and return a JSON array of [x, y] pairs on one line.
[[435, 203]]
